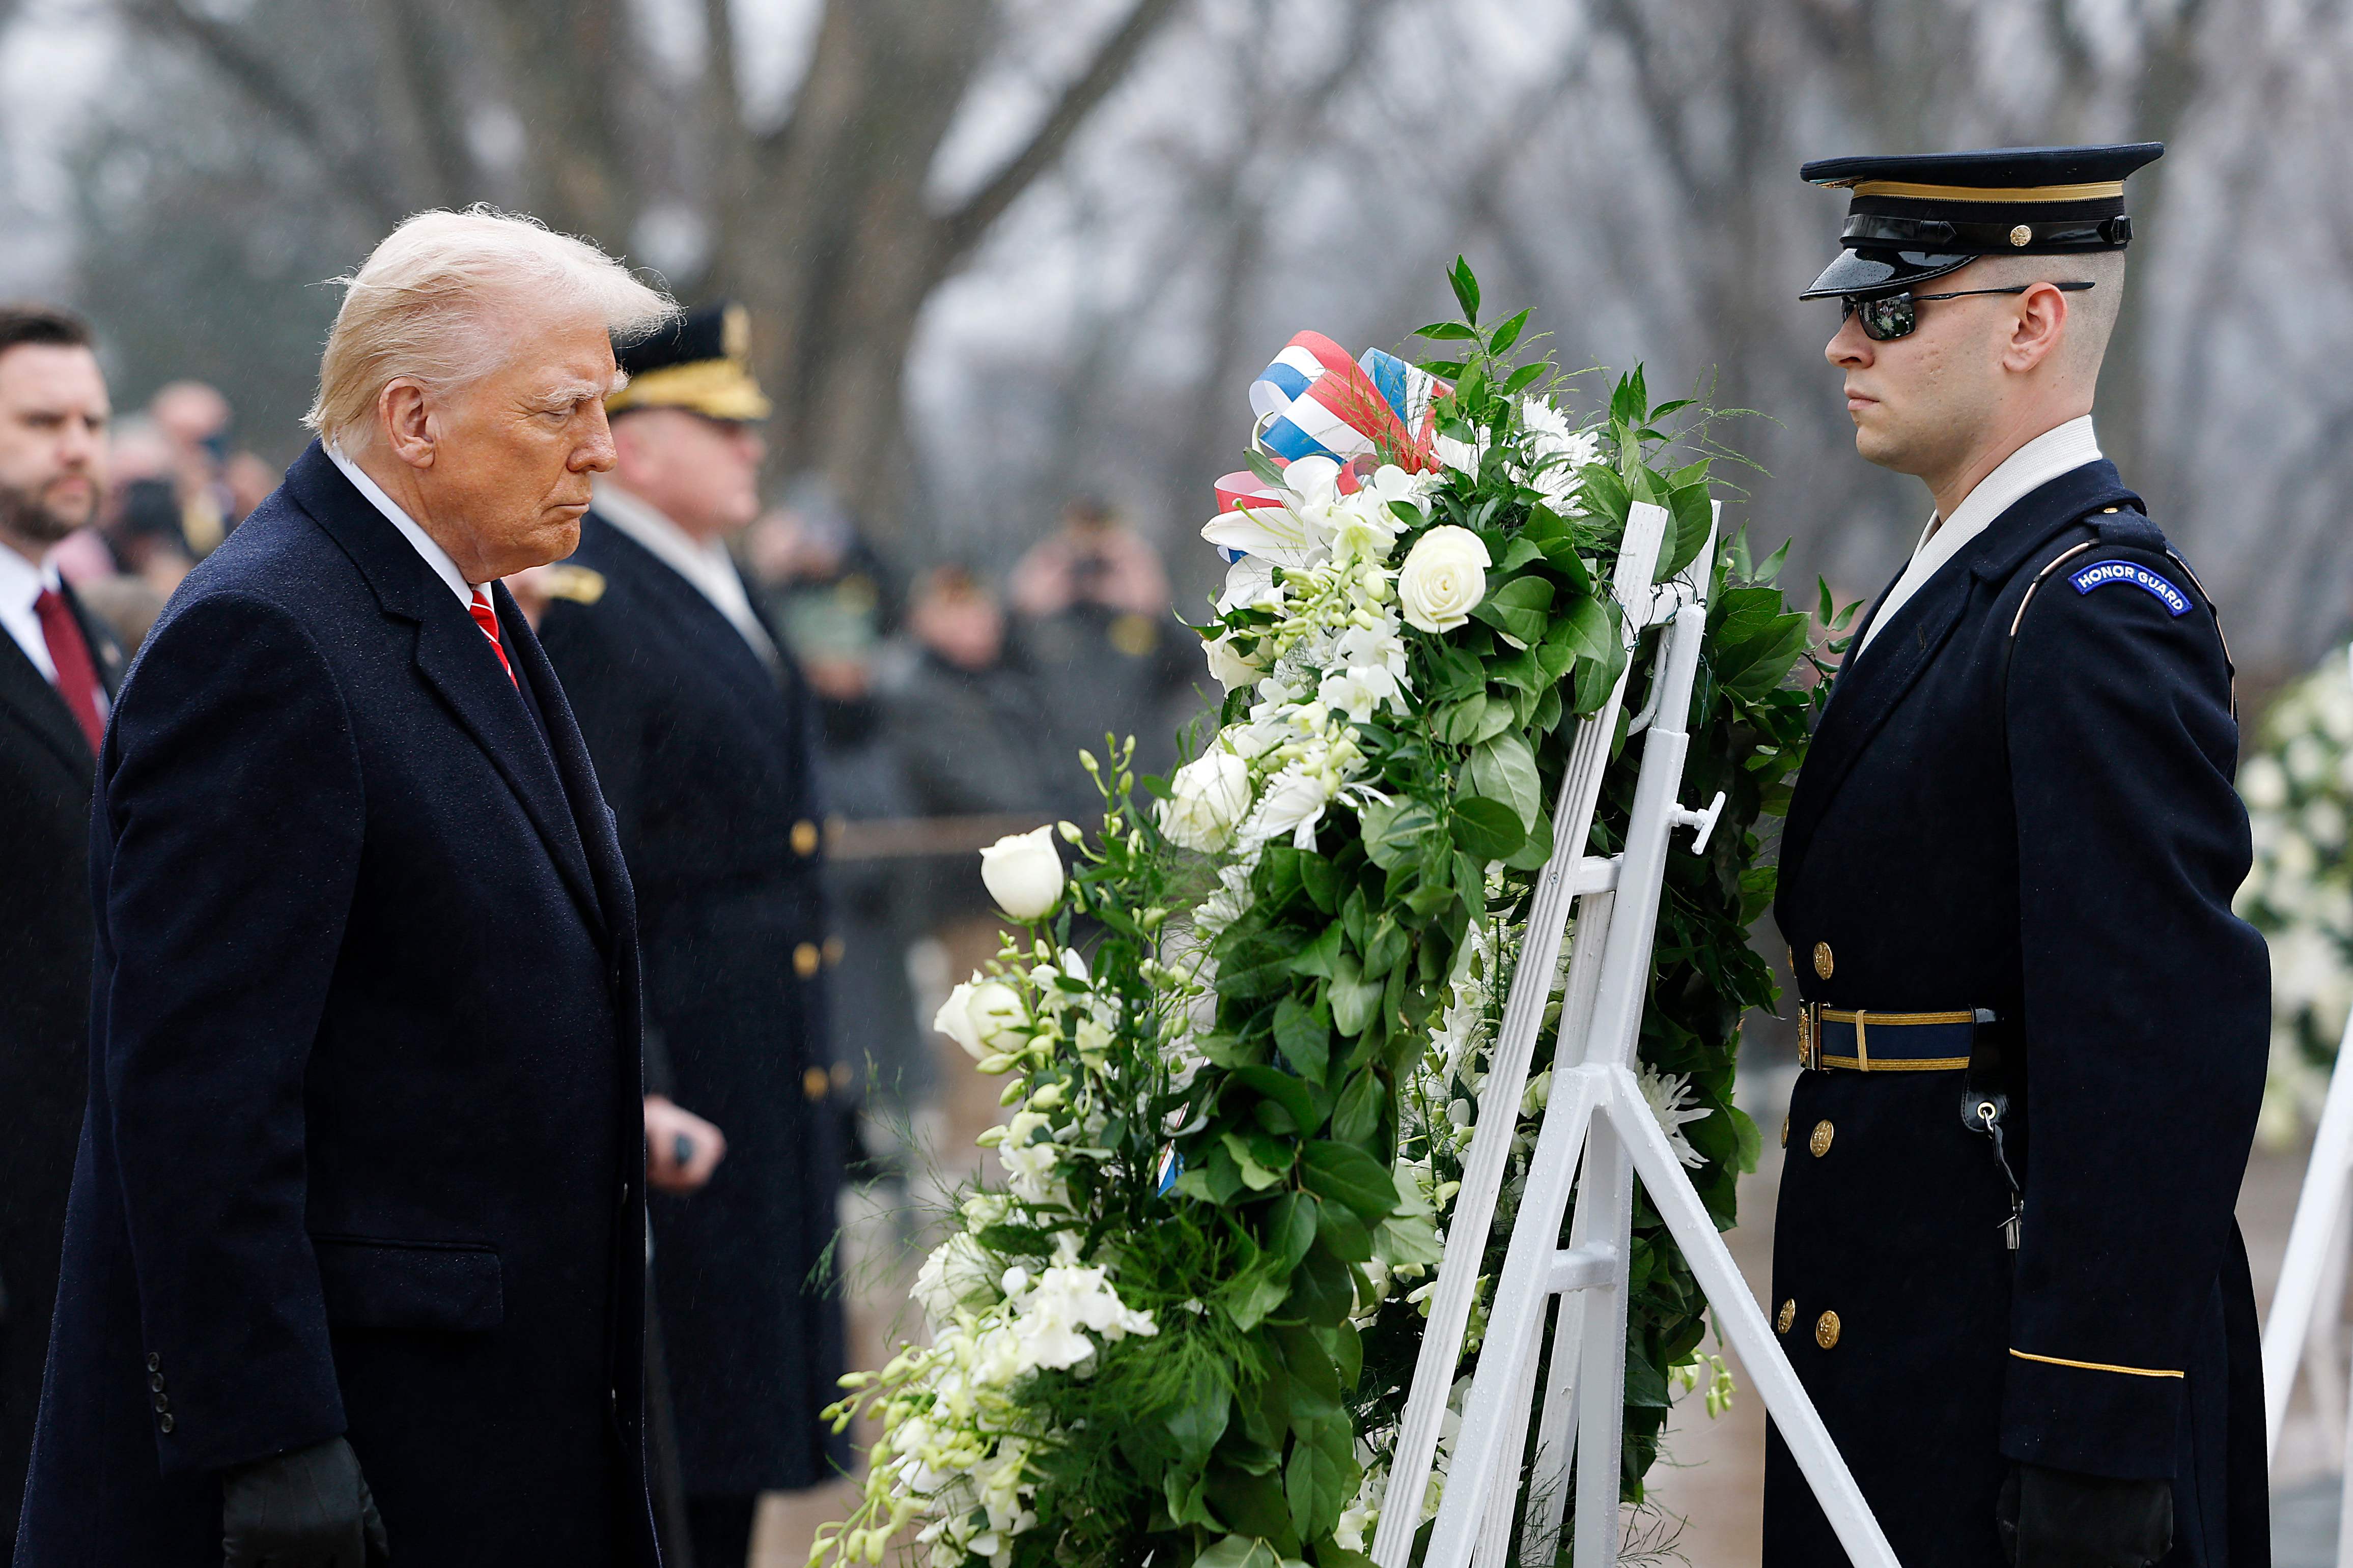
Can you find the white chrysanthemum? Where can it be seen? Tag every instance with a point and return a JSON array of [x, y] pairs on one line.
[[1668, 1095]]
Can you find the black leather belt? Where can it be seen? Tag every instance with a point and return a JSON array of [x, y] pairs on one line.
[[1862, 1041]]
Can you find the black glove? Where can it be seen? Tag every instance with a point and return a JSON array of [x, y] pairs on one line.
[[307, 1509], [2064, 1518]]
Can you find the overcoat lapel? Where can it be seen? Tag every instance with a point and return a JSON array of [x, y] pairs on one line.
[[752, 677], [26, 693], [1873, 682], [451, 659], [574, 766]]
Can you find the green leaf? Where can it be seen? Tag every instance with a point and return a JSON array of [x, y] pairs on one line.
[[1303, 1034], [1521, 552], [1321, 878], [1537, 846], [1239, 1552], [1297, 1101], [1450, 331], [1290, 1226], [1347, 1174], [1352, 997], [1322, 1288], [1263, 1293], [1357, 1116], [1488, 829], [1507, 334], [1409, 1238], [1255, 1176], [1394, 832], [1388, 945], [1694, 515], [1517, 607], [1319, 1487], [1200, 1421], [1343, 1233], [1466, 289], [1318, 956], [1517, 382], [1504, 769]]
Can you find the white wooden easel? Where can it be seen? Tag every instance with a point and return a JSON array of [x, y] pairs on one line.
[[1596, 1109], [2302, 1329]]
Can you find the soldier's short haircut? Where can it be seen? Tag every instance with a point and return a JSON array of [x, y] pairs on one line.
[[23, 324], [2091, 314], [423, 306]]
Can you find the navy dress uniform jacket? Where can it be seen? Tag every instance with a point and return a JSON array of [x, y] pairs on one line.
[[2030, 813], [45, 945], [709, 756], [364, 1149]]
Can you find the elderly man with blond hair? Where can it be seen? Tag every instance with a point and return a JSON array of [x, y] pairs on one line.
[[353, 1256]]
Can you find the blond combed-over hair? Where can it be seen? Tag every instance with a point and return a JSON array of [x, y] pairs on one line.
[[419, 307]]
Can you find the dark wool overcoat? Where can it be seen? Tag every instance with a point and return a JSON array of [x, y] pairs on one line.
[[363, 1151], [708, 754], [2029, 812], [45, 945]]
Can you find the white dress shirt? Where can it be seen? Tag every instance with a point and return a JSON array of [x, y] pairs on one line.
[[435, 556], [2059, 451], [21, 582], [704, 564]]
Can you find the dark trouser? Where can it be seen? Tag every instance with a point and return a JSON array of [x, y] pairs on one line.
[[722, 1528]]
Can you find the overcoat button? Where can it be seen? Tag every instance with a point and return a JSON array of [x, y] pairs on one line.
[[1785, 1132], [814, 1082], [1826, 1329], [805, 959], [1788, 1315], [166, 1423], [1823, 962], [162, 1404], [805, 837], [154, 1362], [1820, 1142], [155, 1382]]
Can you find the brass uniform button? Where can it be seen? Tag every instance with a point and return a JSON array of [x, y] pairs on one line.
[[1820, 1142], [1788, 1315], [805, 959], [804, 837], [1826, 1329], [1785, 1132], [1824, 962], [2021, 235], [814, 1082]]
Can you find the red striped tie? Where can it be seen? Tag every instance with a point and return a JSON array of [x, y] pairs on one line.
[[488, 619]]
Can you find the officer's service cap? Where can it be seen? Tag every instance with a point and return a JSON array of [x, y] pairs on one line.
[[699, 361], [1916, 218]]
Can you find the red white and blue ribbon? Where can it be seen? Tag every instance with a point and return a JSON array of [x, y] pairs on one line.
[[1313, 401]]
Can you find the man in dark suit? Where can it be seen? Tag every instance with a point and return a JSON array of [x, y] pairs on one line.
[[355, 1243], [704, 738], [58, 673], [2034, 1033]]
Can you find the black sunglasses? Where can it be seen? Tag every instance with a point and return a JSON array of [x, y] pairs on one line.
[[1888, 316]]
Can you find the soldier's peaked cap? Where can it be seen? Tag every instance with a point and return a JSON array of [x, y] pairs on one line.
[[699, 361], [1911, 218]]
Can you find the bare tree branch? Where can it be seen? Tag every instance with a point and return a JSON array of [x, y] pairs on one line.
[[251, 70], [962, 229]]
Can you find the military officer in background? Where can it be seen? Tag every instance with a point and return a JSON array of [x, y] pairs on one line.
[[704, 735], [2033, 1034]]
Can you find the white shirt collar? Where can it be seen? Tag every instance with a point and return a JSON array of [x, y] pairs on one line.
[[435, 556], [704, 564], [21, 582], [2061, 449]]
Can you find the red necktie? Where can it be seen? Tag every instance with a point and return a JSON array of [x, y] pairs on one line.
[[70, 656], [488, 619]]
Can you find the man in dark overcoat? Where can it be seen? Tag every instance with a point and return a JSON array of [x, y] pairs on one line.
[[353, 1252], [2033, 1034], [704, 736], [59, 669]]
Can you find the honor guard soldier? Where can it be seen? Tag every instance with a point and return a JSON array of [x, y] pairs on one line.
[[703, 733], [2033, 1034]]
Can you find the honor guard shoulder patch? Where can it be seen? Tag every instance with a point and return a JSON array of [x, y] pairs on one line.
[[2100, 573]]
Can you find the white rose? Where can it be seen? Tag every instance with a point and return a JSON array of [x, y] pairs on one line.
[[1445, 574], [980, 1015], [1207, 797], [1024, 873], [1228, 667]]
